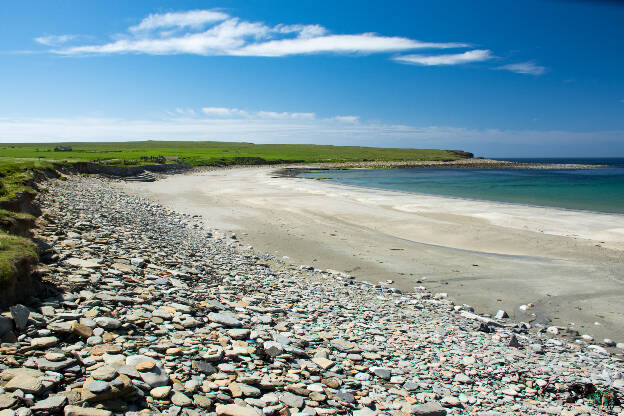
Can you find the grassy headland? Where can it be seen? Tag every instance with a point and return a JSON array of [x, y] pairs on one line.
[[213, 153]]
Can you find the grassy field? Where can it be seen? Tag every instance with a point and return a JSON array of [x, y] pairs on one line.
[[213, 153]]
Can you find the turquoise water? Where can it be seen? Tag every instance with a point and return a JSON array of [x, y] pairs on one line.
[[600, 189]]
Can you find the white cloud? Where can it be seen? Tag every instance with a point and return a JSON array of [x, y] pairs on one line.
[[303, 31], [347, 119], [285, 115], [362, 43], [216, 112], [191, 18], [218, 40], [529, 68], [476, 55], [223, 112], [54, 40], [211, 32]]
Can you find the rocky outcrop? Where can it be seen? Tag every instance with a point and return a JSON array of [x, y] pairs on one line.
[[461, 153]]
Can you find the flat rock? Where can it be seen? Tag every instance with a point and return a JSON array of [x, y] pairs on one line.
[[323, 362], [47, 365], [83, 263], [224, 319], [427, 409], [381, 372], [235, 410], [181, 399], [343, 345], [160, 392], [106, 373], [43, 342], [51, 404], [71, 410], [291, 400], [107, 323], [25, 383], [98, 386], [7, 401]]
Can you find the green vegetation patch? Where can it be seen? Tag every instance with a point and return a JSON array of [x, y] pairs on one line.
[[16, 176], [210, 153], [17, 216], [13, 252]]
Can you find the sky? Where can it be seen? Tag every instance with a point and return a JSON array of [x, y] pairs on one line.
[[506, 78]]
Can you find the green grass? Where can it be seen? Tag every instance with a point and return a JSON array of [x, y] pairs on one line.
[[19, 216], [16, 174], [213, 153], [14, 250]]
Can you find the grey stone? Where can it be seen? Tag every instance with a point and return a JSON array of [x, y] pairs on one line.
[[20, 315], [224, 319], [156, 377], [291, 400], [180, 399], [204, 367], [273, 348], [107, 322], [47, 365], [51, 404], [381, 372], [427, 409], [98, 387], [345, 396]]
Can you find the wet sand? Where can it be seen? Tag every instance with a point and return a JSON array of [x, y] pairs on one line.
[[569, 264]]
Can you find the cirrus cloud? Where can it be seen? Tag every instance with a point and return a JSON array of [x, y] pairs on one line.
[[191, 18], [212, 32], [527, 68], [476, 55]]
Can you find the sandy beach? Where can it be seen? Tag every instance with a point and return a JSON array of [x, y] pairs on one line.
[[492, 256]]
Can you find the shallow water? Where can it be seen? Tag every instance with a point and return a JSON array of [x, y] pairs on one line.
[[600, 189]]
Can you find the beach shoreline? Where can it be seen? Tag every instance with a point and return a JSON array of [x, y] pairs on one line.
[[489, 255]]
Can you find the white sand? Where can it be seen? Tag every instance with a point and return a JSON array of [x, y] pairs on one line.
[[570, 264]]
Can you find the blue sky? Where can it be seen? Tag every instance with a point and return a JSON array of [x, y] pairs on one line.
[[542, 78]]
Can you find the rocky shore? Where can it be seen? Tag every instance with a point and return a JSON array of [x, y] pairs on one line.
[[156, 315]]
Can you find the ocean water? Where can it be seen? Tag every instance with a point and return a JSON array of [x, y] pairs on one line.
[[600, 189]]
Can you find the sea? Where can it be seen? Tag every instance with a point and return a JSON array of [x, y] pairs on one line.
[[599, 189]]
